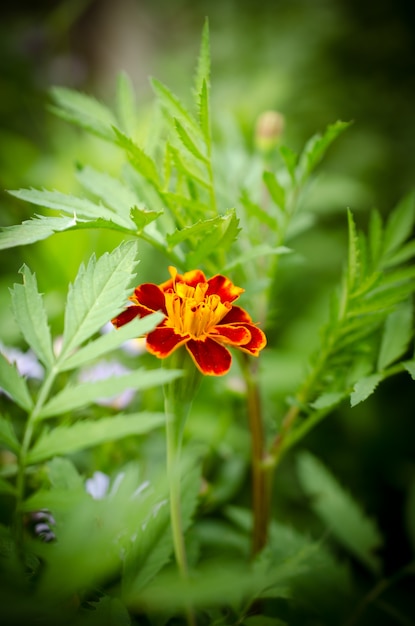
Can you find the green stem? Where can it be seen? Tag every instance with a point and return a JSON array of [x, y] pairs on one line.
[[178, 397], [261, 471], [27, 440]]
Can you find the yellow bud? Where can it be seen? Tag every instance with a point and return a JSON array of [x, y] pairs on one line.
[[268, 130]]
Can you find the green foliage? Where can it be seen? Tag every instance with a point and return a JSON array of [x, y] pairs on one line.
[[173, 190], [340, 513]]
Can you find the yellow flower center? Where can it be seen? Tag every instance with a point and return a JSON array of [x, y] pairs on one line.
[[191, 312]]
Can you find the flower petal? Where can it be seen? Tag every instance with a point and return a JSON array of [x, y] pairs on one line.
[[210, 357], [224, 288], [163, 340], [126, 316], [236, 315], [258, 340], [150, 296], [192, 278], [233, 334]]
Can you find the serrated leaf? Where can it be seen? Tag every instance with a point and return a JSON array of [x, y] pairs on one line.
[[142, 217], [188, 142], [32, 230], [126, 104], [276, 190], [364, 388], [64, 440], [203, 62], [77, 396], [110, 190], [315, 149], [98, 293], [397, 334], [72, 205], [172, 105], [8, 437], [111, 341], [141, 161], [189, 169], [220, 239], [84, 111], [197, 231], [30, 316], [204, 115], [353, 268], [339, 511], [14, 384], [399, 225]]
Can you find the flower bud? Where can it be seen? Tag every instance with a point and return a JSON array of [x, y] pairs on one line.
[[268, 130]]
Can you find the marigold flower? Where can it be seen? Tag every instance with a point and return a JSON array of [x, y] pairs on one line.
[[200, 315]]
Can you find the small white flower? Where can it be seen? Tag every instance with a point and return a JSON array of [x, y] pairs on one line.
[[26, 362], [97, 486]]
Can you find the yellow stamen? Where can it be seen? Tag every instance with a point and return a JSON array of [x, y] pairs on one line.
[[191, 312]]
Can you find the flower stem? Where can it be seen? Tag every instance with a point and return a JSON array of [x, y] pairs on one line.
[[178, 396], [261, 473]]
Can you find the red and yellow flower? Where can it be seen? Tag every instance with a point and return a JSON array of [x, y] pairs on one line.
[[200, 315]]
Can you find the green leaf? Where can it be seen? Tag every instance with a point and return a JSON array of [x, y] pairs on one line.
[[8, 436], [172, 105], [256, 252], [316, 148], [14, 384], [141, 161], [353, 269], [364, 388], [126, 104], [375, 238], [33, 230], [110, 190], [100, 290], [153, 551], [397, 335], [399, 225], [328, 399], [6, 487], [188, 142], [402, 254], [30, 315], [276, 190], [203, 63], [111, 341], [68, 439], [77, 207], [77, 396], [204, 115], [142, 217], [222, 235], [410, 367], [339, 511], [257, 212], [196, 231], [290, 159], [84, 111]]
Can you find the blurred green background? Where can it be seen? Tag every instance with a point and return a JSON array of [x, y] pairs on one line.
[[315, 61]]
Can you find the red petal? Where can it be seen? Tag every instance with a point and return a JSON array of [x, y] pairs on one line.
[[224, 288], [236, 315], [126, 316], [234, 335], [162, 341], [192, 278], [150, 296], [258, 340], [210, 357]]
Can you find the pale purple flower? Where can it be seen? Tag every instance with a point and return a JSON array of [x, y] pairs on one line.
[[102, 371]]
